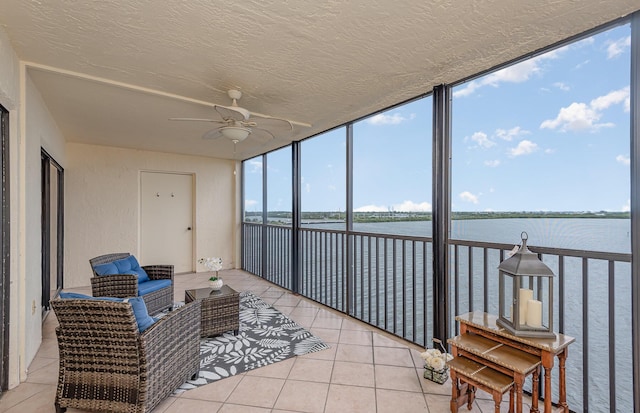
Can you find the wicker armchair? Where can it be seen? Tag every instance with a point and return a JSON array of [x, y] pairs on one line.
[[106, 364], [126, 285]]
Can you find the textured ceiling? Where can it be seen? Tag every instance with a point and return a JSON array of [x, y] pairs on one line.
[[113, 72]]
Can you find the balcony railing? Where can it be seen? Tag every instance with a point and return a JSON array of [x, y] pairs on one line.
[[386, 281]]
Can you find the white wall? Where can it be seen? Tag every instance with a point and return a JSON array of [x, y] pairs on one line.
[[40, 132], [30, 128], [102, 199]]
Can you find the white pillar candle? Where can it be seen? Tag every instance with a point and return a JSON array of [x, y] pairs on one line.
[[534, 313], [524, 296]]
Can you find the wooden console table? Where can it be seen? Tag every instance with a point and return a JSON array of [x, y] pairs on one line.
[[482, 325]]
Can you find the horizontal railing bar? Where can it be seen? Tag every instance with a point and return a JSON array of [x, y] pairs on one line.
[[597, 255]]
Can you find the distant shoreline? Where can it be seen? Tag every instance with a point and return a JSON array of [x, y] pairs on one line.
[[393, 216]]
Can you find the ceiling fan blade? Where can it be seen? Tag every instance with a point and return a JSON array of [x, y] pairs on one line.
[[261, 135], [270, 123], [199, 120], [232, 113]]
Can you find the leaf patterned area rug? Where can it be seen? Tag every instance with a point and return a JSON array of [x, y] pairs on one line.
[[266, 337]]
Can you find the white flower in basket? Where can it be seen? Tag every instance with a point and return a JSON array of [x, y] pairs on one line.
[[435, 363]]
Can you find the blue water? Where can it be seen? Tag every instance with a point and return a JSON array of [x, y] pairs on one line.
[[610, 235], [606, 235]]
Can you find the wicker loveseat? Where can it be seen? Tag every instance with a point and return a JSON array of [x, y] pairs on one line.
[[127, 285], [106, 364]]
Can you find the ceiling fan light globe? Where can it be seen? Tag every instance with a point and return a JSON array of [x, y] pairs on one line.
[[235, 133]]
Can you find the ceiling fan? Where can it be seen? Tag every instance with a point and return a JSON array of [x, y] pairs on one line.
[[236, 123]]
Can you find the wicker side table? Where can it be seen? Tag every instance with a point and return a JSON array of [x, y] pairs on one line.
[[220, 309]]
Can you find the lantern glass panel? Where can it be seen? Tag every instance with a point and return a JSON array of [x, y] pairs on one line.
[[542, 294], [507, 297]]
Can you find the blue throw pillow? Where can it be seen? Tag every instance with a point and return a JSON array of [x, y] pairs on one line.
[[106, 269], [130, 265], [140, 311], [143, 319], [142, 275], [138, 270], [124, 265]]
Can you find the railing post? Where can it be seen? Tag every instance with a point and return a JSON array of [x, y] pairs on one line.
[[441, 165], [349, 218], [265, 255], [635, 204], [243, 238], [296, 242]]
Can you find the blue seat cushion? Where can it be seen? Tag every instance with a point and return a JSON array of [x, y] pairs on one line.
[[143, 319], [129, 265], [153, 285]]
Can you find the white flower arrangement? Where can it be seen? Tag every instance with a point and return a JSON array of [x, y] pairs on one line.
[[436, 359], [212, 263]]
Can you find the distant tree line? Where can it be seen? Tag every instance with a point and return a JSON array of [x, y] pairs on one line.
[[388, 216]]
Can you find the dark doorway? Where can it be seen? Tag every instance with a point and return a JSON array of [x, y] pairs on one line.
[[52, 229]]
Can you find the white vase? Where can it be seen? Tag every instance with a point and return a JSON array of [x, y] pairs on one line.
[[216, 285]]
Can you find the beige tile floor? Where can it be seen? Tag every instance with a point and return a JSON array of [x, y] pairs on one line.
[[365, 370]]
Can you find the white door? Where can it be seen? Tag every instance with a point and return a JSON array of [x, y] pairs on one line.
[[167, 220]]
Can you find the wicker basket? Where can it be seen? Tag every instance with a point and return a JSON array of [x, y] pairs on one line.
[[438, 376]]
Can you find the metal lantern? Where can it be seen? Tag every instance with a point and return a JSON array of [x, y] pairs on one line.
[[526, 294]]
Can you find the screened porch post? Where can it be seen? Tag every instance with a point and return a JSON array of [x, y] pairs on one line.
[[441, 215], [635, 204]]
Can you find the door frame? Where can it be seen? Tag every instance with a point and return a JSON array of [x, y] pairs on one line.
[[46, 163], [5, 278]]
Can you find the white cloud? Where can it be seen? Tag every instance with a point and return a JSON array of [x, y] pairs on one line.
[[580, 116], [509, 134], [625, 160], [626, 207], [389, 119], [617, 47], [576, 116], [562, 86], [371, 208], [583, 43], [331, 187], [467, 196], [518, 73], [256, 166], [410, 206], [307, 188], [611, 98], [525, 147], [248, 203], [493, 163], [580, 65], [482, 140]]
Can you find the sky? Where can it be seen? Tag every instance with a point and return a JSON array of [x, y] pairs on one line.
[[550, 133]]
